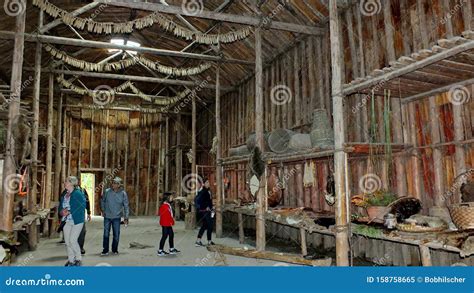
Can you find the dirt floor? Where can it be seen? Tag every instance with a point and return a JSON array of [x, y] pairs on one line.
[[144, 230]]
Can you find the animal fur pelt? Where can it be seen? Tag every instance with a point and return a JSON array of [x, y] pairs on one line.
[[257, 165], [467, 192]]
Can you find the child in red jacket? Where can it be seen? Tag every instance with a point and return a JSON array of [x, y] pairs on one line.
[[166, 221]]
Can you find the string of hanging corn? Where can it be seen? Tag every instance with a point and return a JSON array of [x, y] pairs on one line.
[[127, 27], [125, 63], [121, 88]]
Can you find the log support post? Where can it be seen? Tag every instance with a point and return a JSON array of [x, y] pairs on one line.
[[304, 248], [340, 157], [193, 163], [259, 131], [425, 256], [219, 195], [240, 220], [439, 200]]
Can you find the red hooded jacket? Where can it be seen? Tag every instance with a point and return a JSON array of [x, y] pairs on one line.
[[166, 215]]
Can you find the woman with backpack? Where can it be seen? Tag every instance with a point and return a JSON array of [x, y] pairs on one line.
[[205, 210]]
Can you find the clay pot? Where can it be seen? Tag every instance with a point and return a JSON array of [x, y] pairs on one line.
[[377, 213]]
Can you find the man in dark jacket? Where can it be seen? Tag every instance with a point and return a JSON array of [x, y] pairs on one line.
[[205, 209], [114, 205]]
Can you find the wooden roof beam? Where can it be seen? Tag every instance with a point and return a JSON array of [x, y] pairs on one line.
[[196, 83], [104, 45], [225, 17]]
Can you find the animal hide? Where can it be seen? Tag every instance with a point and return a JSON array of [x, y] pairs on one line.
[[467, 192]]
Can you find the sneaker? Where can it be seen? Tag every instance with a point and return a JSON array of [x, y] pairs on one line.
[[115, 252], [104, 253], [210, 243], [62, 242], [174, 251], [68, 264], [83, 251], [162, 253], [77, 263], [199, 243]]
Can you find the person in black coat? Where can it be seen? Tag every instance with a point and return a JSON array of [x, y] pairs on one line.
[[205, 210]]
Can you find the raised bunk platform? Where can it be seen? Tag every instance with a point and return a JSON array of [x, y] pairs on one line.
[[449, 63]]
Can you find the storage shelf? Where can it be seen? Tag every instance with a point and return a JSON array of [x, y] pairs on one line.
[[449, 63]]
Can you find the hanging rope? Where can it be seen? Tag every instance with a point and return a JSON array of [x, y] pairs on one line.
[[123, 64], [141, 23], [127, 85]]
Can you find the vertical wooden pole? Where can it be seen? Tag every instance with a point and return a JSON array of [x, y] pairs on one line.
[[416, 155], [160, 166], [79, 153], [57, 159], [147, 204], [259, 131], [395, 102], [425, 256], [179, 156], [304, 247], [91, 145], [137, 173], [218, 156], [342, 237], [167, 149], [240, 219], [459, 155], [49, 152], [63, 145], [193, 164], [439, 200], [125, 179], [33, 195], [57, 155], [106, 151], [69, 146], [9, 167]]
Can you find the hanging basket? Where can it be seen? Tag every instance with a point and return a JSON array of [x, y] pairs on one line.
[[463, 215]]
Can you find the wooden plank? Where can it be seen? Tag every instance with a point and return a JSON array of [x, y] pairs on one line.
[[219, 177]]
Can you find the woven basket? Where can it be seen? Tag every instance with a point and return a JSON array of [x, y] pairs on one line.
[[463, 215], [419, 229]]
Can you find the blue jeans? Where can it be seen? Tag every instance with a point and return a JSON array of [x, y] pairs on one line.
[[115, 223]]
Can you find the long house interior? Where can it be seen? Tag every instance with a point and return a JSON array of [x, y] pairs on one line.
[[330, 132]]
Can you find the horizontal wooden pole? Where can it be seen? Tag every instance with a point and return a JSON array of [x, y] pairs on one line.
[[351, 89], [127, 109], [269, 255], [119, 95], [225, 17], [6, 35], [202, 84], [439, 90]]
